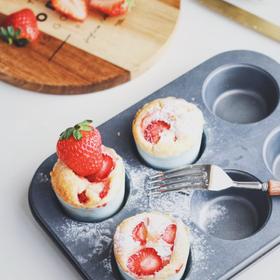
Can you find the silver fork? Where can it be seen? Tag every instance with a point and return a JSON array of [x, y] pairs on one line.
[[205, 176]]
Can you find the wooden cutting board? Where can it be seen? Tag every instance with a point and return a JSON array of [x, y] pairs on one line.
[[72, 57]]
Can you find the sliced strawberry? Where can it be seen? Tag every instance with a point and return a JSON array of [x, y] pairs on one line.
[[153, 131], [83, 197], [105, 190], [110, 7], [75, 9], [169, 234], [166, 261], [139, 233], [145, 262], [107, 166], [179, 268]]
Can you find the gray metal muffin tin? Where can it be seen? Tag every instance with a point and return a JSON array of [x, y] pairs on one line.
[[238, 93]]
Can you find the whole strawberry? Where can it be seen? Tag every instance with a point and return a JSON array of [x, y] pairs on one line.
[[20, 28], [79, 147]]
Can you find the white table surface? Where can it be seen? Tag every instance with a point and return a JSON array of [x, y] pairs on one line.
[[31, 122]]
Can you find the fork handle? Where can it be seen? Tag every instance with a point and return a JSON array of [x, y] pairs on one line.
[[272, 186], [250, 185]]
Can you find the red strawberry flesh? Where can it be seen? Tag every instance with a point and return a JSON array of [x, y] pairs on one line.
[[105, 190], [153, 131], [75, 9], [106, 168], [83, 197], [169, 234], [139, 233], [145, 262], [110, 7]]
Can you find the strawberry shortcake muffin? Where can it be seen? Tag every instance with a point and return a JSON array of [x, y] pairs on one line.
[[88, 178], [168, 132], [152, 246]]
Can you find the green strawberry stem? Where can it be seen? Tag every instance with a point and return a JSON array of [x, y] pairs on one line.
[[76, 130], [12, 36]]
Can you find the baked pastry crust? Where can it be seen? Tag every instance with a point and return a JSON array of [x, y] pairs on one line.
[[67, 185], [125, 246], [186, 126]]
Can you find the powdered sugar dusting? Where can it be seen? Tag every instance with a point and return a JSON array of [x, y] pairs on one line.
[[138, 195], [178, 204], [88, 241], [43, 178], [91, 243], [215, 214], [201, 251]]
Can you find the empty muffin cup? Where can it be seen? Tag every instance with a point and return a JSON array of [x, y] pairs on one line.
[[231, 214], [240, 93], [271, 152]]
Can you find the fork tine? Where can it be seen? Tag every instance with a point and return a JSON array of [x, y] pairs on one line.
[[171, 188], [187, 177], [187, 170], [177, 180], [166, 178]]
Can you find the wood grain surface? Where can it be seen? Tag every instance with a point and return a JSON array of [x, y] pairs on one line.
[[72, 57]]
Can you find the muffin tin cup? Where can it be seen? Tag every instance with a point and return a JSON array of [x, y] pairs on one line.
[[184, 158], [94, 214], [241, 93], [231, 214], [176, 277], [229, 229], [271, 152]]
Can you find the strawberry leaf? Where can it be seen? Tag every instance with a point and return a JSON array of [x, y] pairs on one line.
[[85, 128], [77, 134], [76, 130], [17, 33], [11, 31], [10, 36], [85, 123], [3, 31], [69, 132]]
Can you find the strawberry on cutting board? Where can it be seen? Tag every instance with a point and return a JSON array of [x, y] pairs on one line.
[[111, 7], [19, 28], [145, 262], [79, 147], [75, 9]]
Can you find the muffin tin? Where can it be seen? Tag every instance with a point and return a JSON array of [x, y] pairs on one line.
[[238, 93]]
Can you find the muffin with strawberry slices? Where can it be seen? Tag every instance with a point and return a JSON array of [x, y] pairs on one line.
[[88, 178], [152, 246], [168, 132]]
